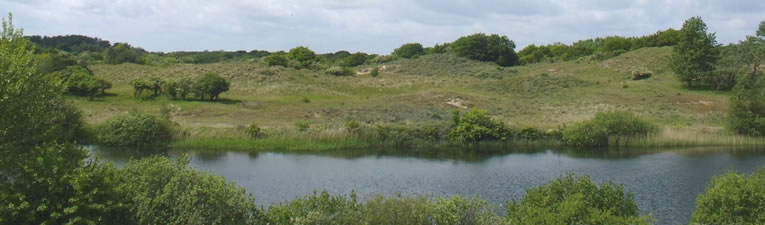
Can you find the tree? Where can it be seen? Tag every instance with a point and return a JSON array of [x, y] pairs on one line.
[[302, 55], [211, 85], [732, 199], [82, 84], [122, 53], [409, 50], [696, 52], [575, 200], [489, 48]]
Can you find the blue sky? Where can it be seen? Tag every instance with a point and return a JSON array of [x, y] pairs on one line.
[[375, 26]]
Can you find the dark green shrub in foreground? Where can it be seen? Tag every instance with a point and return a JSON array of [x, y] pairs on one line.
[[732, 199], [575, 200], [135, 130], [476, 125], [165, 192], [596, 132]]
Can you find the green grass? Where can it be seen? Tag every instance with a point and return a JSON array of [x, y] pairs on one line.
[[414, 92]]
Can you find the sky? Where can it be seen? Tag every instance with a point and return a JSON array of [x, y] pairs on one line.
[[372, 26]]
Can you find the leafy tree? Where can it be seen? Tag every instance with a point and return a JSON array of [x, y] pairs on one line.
[[489, 48], [155, 84], [102, 85], [33, 110], [477, 126], [409, 50], [135, 130], [302, 55], [747, 107], [732, 199], [82, 84], [575, 200], [70, 43], [211, 85], [139, 85], [696, 52]]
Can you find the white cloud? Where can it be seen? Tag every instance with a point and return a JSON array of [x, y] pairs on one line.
[[369, 25]]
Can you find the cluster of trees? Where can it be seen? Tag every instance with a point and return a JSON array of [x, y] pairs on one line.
[[208, 86], [80, 81], [479, 46], [74, 44], [599, 48]]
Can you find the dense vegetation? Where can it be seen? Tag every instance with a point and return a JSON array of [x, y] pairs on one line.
[[606, 127], [135, 130], [732, 199]]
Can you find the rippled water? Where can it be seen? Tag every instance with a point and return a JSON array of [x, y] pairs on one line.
[[664, 183]]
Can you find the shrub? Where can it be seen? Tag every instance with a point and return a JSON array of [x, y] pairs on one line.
[[746, 114], [302, 126], [82, 84], [409, 50], [339, 71], [355, 59], [575, 200], [276, 60], [732, 199], [211, 85], [596, 132], [165, 192], [353, 127], [254, 131], [135, 130], [304, 56], [375, 71], [318, 208], [395, 136], [477, 126], [139, 85]]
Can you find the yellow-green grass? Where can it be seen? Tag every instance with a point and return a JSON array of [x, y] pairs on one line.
[[413, 92]]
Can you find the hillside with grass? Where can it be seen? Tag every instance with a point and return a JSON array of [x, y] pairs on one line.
[[420, 92]]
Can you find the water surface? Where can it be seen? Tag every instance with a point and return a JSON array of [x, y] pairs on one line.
[[664, 183]]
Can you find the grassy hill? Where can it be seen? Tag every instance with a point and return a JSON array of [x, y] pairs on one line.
[[423, 91]]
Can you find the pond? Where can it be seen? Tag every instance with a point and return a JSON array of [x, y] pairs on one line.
[[665, 183]]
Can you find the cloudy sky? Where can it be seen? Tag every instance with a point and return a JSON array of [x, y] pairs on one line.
[[375, 26]]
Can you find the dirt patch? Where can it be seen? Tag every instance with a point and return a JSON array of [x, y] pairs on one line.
[[457, 102]]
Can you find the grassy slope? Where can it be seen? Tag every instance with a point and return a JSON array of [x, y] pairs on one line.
[[415, 91]]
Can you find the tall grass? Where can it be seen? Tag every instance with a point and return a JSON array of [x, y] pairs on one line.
[[671, 137]]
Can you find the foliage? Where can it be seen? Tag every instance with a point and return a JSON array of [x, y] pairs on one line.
[[123, 53], [70, 43], [59, 187], [353, 127], [304, 56], [339, 71], [696, 52], [161, 191], [135, 130], [276, 60], [375, 71], [615, 124], [489, 48], [575, 200], [254, 131], [33, 109], [409, 50], [476, 126], [747, 107], [732, 199], [181, 87], [302, 126], [355, 59], [211, 85]]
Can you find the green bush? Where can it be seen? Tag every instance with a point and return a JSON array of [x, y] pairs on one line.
[[375, 71], [211, 85], [302, 126], [304, 56], [746, 113], [409, 50], [489, 48], [318, 208], [732, 199], [339, 71], [161, 191], [477, 126], [276, 60], [609, 125], [135, 130], [353, 127], [575, 200], [254, 131]]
